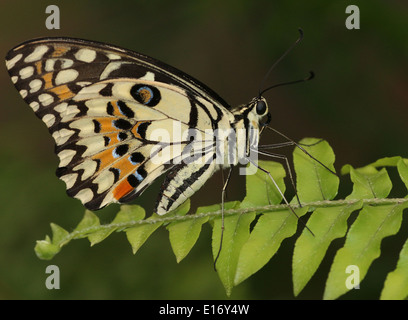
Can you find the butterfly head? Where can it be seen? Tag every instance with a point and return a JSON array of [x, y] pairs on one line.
[[259, 111]]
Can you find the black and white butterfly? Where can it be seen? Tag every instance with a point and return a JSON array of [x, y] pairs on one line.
[[104, 106]]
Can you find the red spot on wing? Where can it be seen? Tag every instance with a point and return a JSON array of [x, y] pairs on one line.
[[122, 189]]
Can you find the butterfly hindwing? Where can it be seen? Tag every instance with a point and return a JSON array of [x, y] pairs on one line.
[[105, 107]]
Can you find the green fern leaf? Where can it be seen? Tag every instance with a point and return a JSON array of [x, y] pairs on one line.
[[138, 235], [402, 167], [396, 284], [327, 224], [259, 184], [184, 234], [368, 182], [362, 246], [264, 241], [313, 181], [47, 249], [256, 227], [235, 234]]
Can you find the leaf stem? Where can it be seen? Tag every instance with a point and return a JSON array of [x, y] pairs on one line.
[[214, 214]]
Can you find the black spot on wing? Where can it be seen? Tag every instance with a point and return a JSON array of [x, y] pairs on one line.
[[121, 150], [125, 110], [116, 173], [136, 178], [61, 171], [122, 124], [122, 136], [109, 109], [136, 157], [107, 90], [106, 140], [97, 126], [141, 129]]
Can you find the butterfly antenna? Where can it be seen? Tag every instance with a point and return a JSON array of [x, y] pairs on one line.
[[279, 60], [310, 77]]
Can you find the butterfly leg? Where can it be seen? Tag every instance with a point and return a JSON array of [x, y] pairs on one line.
[[288, 167], [224, 188], [299, 145], [281, 193], [223, 182]]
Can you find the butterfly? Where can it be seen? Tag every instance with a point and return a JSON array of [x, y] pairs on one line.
[[108, 110]]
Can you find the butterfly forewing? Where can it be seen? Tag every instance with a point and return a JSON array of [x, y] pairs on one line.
[[104, 107]]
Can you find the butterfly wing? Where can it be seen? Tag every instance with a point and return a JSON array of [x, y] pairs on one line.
[[106, 109]]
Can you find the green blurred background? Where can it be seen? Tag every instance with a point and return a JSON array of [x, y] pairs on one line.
[[358, 102]]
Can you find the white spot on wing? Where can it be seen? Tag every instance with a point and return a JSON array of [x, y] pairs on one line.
[[85, 126], [35, 85], [37, 54], [26, 72], [65, 76], [65, 157], [86, 55], [148, 76], [34, 105], [11, 63], [49, 65], [113, 56], [85, 195], [62, 136], [49, 119], [110, 68], [65, 63], [69, 179], [104, 180], [46, 99], [93, 145], [69, 113], [23, 93], [89, 167], [96, 107], [62, 107]]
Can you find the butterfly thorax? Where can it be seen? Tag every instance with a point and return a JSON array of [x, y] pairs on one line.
[[248, 120]]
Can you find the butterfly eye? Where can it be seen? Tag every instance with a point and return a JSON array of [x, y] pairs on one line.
[[260, 107], [147, 95]]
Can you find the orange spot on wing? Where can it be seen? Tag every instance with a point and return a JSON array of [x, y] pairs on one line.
[[135, 129], [113, 138], [107, 126], [122, 189], [59, 51], [63, 92], [106, 158], [47, 80], [116, 111], [38, 66], [126, 167]]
